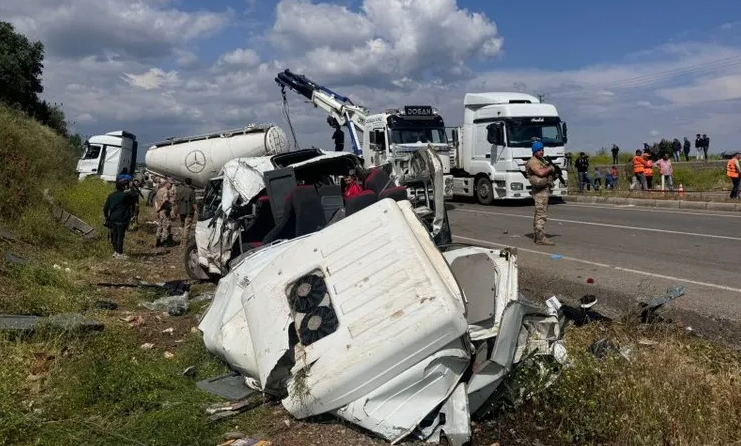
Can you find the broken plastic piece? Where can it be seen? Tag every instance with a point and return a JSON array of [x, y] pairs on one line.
[[230, 386], [173, 305]]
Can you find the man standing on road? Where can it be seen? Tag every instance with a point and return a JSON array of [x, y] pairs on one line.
[[540, 176], [163, 207], [705, 147], [187, 209], [666, 169], [733, 171], [698, 146]]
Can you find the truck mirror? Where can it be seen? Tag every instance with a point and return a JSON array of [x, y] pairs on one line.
[[565, 132], [495, 133], [454, 135]]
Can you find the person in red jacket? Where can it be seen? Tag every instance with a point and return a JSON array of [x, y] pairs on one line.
[[352, 187]]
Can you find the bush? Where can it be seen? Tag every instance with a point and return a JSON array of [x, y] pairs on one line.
[[34, 157]]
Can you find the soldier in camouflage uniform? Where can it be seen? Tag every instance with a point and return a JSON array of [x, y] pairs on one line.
[[163, 204], [541, 178]]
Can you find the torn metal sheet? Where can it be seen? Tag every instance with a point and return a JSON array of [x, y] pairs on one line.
[[62, 321], [377, 326], [230, 386]]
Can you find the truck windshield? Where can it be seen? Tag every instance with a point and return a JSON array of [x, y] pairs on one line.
[[411, 136], [91, 152], [521, 131]]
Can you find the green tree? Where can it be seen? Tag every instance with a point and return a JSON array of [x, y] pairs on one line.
[[21, 66]]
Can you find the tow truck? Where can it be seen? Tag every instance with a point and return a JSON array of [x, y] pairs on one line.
[[390, 138]]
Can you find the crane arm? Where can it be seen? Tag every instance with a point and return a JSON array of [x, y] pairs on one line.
[[338, 107]]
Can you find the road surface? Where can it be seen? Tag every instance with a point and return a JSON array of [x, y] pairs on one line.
[[628, 251]]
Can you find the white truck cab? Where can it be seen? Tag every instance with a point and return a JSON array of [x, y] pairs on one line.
[[394, 136], [107, 155], [492, 147]]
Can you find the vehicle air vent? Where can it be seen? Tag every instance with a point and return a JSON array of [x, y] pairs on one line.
[[306, 293], [318, 323]]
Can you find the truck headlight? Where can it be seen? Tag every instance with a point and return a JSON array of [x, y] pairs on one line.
[[516, 186]]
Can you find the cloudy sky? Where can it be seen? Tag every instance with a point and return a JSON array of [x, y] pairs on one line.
[[623, 72]]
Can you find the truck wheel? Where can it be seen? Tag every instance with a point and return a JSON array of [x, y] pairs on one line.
[[192, 267], [484, 190]]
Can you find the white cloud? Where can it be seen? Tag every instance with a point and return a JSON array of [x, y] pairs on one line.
[[152, 79], [145, 66], [239, 58]]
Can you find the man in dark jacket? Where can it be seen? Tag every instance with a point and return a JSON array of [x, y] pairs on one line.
[[117, 212], [687, 148], [582, 171], [677, 149], [187, 209]]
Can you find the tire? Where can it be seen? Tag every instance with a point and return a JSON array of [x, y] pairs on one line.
[[484, 191], [190, 261]]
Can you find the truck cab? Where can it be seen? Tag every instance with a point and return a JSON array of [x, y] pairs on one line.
[[394, 136], [105, 156], [492, 147]]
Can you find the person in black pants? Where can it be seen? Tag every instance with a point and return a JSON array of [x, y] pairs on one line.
[[117, 211]]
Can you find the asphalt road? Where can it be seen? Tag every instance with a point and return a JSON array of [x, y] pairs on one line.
[[628, 251]]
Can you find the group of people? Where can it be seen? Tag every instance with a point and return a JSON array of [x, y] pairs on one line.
[[585, 181], [121, 210], [643, 171]]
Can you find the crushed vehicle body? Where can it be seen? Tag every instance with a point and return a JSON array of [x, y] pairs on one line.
[[373, 321], [256, 201]]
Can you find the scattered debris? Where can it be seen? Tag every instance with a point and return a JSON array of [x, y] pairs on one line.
[[7, 236], [190, 372], [172, 305], [171, 287], [556, 257], [650, 310], [169, 355], [246, 442], [230, 386], [133, 321], [603, 348], [15, 259], [147, 346], [63, 322], [225, 410], [70, 221], [105, 305], [205, 297]]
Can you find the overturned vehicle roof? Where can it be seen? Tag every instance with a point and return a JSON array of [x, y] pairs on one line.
[[367, 319]]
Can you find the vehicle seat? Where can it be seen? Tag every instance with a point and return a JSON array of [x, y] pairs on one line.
[[396, 193], [307, 207], [286, 226], [378, 180], [331, 199], [261, 225], [359, 202]]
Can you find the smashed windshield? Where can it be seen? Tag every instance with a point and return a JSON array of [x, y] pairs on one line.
[[91, 152], [411, 136], [521, 131]]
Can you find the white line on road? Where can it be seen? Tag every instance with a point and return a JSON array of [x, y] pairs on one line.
[[603, 265], [699, 213], [606, 225]]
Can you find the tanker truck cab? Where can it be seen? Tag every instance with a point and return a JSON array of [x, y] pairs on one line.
[[107, 155], [495, 142], [394, 136]]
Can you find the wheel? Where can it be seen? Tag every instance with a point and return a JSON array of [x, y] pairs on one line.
[[190, 260], [484, 190]]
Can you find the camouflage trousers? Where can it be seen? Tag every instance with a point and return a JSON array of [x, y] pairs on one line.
[[186, 221], [541, 213], [164, 225]]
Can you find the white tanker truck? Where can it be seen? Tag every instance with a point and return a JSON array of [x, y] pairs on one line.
[[201, 157]]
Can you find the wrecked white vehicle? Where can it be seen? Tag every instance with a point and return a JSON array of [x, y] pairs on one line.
[[368, 319], [256, 201]]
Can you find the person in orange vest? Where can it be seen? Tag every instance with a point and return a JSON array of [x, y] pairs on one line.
[[648, 171], [733, 170], [639, 166]]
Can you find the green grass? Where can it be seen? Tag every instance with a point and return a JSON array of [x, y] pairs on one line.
[[682, 390]]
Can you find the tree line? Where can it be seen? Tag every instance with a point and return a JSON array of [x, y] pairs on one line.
[[21, 70]]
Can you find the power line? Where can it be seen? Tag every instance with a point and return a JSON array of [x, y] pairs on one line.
[[652, 78]]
